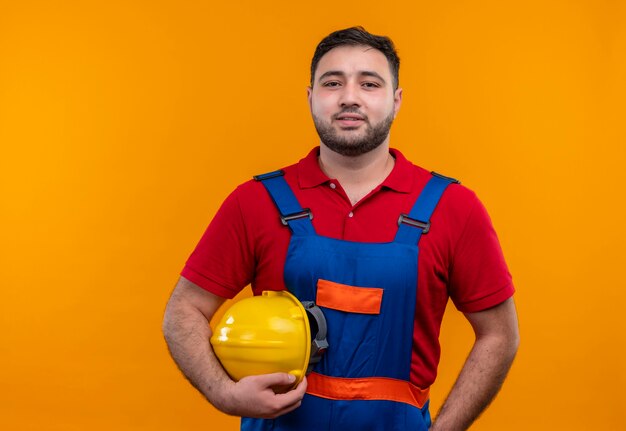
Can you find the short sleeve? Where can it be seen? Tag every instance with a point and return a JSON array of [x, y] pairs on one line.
[[479, 276], [222, 262]]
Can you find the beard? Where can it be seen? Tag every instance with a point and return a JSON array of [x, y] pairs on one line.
[[353, 146]]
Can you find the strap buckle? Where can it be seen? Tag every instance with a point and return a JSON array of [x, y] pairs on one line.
[[404, 218], [452, 180], [306, 212], [268, 175]]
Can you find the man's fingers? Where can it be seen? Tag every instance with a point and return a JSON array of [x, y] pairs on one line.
[[287, 409], [291, 400], [275, 379], [258, 399], [294, 395], [298, 391]]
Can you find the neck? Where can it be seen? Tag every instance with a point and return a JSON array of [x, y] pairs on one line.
[[357, 175]]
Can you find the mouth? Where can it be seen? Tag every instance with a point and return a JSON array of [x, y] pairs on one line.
[[349, 120], [349, 117]]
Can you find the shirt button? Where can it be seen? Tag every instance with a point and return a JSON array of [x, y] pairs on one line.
[[351, 214], [333, 186]]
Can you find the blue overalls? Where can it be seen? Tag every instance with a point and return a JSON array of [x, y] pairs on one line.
[[367, 292]]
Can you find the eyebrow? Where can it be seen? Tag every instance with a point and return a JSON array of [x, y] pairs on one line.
[[342, 74]]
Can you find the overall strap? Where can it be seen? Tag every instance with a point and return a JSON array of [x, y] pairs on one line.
[[291, 213], [417, 222]]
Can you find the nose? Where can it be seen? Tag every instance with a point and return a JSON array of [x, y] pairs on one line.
[[350, 95]]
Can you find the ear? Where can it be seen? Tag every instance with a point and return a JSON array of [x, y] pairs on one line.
[[309, 93], [397, 101]]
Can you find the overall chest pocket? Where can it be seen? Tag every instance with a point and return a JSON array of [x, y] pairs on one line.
[[354, 328], [351, 299]]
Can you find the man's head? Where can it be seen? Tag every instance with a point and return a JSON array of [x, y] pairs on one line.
[[354, 36], [353, 95]]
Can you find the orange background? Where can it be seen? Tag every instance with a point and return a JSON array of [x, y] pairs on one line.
[[123, 125]]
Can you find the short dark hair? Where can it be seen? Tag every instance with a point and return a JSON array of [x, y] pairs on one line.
[[354, 36]]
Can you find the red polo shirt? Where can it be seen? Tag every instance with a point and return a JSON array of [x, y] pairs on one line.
[[460, 257]]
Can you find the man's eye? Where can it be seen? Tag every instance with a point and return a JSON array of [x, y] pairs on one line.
[[331, 84], [370, 85]]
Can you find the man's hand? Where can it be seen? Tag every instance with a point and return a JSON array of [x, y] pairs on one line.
[[261, 397], [187, 333]]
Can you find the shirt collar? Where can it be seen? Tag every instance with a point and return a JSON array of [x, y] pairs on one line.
[[400, 179]]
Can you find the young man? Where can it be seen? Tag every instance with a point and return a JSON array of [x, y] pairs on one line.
[[376, 219]]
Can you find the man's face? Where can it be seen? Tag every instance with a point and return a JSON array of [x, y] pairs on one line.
[[352, 100]]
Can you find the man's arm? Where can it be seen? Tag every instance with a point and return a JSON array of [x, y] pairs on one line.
[[497, 338], [187, 332]]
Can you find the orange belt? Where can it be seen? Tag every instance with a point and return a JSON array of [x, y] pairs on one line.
[[368, 388]]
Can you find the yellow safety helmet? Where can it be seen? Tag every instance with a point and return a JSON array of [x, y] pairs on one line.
[[274, 332]]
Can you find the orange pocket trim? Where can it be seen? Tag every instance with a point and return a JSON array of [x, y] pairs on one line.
[[369, 388], [365, 300]]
